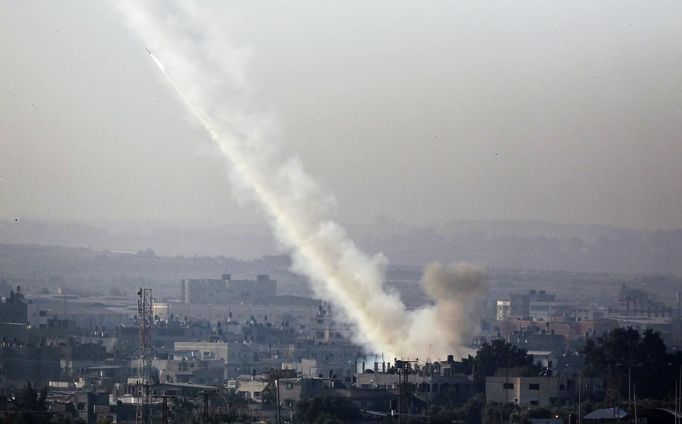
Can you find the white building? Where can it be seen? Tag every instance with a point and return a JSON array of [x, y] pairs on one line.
[[503, 310], [536, 391], [203, 350]]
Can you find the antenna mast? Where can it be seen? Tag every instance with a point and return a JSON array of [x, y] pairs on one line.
[[145, 319]]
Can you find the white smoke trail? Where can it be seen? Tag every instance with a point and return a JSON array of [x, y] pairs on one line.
[[207, 73]]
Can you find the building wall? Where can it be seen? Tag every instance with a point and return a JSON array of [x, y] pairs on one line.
[[13, 312], [502, 310], [227, 290], [525, 391], [204, 350], [252, 389]]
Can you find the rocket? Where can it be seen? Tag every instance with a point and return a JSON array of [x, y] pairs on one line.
[[157, 62]]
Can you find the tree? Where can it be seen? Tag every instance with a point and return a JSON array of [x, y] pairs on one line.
[[494, 413], [494, 355], [329, 409], [28, 399], [471, 411], [623, 353]]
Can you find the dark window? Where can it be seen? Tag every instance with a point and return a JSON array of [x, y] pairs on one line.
[[533, 387], [562, 387], [508, 386], [533, 402]]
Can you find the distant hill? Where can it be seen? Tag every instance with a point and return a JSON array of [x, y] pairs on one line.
[[536, 245], [166, 239]]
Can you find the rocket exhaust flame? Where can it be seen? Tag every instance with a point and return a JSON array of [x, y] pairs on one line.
[[207, 75], [161, 68]]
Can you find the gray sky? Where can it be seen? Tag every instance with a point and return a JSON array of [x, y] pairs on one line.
[[562, 111]]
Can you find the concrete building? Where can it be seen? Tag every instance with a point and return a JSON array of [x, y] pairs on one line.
[[294, 390], [502, 312], [252, 388], [520, 304], [14, 308], [524, 391], [190, 371], [227, 290], [203, 350], [508, 386], [637, 303], [304, 367]]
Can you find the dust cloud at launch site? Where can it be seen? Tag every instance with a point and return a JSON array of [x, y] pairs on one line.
[[206, 71]]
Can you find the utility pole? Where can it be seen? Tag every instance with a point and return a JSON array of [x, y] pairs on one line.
[[205, 415], [145, 319], [404, 367], [634, 397], [165, 413], [629, 386], [275, 376], [277, 398], [164, 416], [678, 396], [580, 388]]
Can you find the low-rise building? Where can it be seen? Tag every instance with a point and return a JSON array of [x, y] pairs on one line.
[[508, 386], [203, 350], [252, 388], [536, 391]]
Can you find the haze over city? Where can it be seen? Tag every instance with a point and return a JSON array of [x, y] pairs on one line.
[[557, 112]]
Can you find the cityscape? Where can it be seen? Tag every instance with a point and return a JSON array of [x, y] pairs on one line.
[[232, 347]]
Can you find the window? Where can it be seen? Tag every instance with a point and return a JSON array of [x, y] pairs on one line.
[[562, 387], [533, 387], [508, 386], [534, 402]]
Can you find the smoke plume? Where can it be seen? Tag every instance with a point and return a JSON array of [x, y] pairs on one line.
[[191, 49]]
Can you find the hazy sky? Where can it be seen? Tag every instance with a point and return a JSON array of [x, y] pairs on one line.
[[421, 111]]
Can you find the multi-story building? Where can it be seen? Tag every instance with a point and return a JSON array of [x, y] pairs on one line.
[[520, 304], [227, 290], [203, 350], [507, 386], [637, 303], [536, 391], [502, 312], [14, 308]]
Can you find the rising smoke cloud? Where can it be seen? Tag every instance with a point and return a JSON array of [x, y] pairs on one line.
[[190, 47]]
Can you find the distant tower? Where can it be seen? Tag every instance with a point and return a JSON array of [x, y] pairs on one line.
[[145, 320]]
